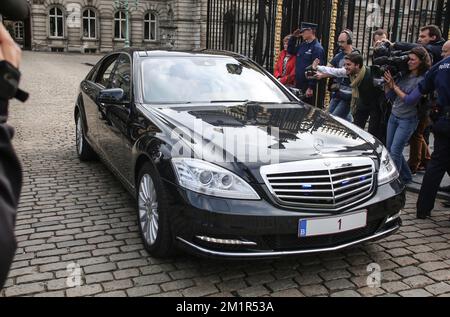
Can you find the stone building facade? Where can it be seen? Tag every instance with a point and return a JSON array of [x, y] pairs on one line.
[[99, 25]]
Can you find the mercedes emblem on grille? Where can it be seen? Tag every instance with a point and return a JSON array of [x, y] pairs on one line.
[[318, 145]]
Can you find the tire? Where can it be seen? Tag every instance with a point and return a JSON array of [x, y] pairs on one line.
[[84, 150], [152, 213]]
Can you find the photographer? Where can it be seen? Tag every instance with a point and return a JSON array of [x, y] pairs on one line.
[[403, 119], [365, 95], [431, 38], [341, 89], [381, 44], [380, 36], [10, 169]]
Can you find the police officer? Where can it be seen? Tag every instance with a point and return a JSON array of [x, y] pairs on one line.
[[437, 79], [10, 170], [306, 53]]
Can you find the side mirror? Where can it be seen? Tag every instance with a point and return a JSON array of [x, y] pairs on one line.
[[111, 96]]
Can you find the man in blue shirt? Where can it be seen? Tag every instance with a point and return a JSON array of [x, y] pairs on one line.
[[437, 79], [306, 53]]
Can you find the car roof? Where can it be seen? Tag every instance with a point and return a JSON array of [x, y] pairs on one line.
[[139, 52]]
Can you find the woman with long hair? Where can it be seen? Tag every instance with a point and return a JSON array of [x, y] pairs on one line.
[[404, 117]]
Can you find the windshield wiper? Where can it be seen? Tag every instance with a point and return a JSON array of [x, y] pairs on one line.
[[170, 103], [253, 102], [229, 101]]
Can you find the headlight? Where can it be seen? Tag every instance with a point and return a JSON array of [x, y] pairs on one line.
[[206, 178], [388, 172]]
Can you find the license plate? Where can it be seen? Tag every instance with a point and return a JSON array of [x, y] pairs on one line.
[[331, 225]]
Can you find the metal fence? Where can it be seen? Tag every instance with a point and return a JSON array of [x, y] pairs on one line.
[[248, 26], [243, 26], [402, 19]]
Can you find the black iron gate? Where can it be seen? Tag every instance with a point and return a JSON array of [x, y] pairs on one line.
[[314, 11], [248, 26], [243, 26], [402, 19]]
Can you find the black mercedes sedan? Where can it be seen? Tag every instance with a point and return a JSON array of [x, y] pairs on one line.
[[224, 161]]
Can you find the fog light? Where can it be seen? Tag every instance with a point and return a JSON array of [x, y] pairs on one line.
[[392, 218], [225, 241]]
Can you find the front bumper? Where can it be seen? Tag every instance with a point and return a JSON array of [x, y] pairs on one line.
[[275, 254], [216, 227]]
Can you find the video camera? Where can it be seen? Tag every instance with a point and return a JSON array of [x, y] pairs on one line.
[[392, 58]]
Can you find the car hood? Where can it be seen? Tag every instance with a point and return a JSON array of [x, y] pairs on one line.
[[256, 135]]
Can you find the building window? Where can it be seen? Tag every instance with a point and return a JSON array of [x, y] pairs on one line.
[[89, 24], [119, 25], [150, 26], [18, 30], [56, 22]]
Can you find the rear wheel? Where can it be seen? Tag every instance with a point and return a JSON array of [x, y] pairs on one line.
[[84, 150], [153, 219]]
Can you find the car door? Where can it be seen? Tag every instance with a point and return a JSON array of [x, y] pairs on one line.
[[114, 127], [90, 89]]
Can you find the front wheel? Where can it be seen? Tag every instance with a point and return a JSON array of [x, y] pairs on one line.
[[153, 218], [84, 150]]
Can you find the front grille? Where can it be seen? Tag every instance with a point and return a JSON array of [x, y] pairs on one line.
[[332, 184]]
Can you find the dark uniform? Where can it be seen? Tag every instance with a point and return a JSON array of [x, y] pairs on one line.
[[437, 79], [10, 171], [306, 53]]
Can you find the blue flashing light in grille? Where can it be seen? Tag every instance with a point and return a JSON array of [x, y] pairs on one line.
[[362, 178], [345, 182], [307, 186]]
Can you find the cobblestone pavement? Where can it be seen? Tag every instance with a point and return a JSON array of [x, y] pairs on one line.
[[77, 212]]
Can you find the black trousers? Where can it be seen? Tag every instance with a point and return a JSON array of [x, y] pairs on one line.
[[436, 168], [10, 185], [373, 114]]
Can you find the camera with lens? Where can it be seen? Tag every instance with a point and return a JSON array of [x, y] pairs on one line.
[[9, 75], [388, 59], [310, 72], [384, 49], [14, 9]]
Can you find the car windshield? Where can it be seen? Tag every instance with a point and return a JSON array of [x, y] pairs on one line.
[[200, 79]]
